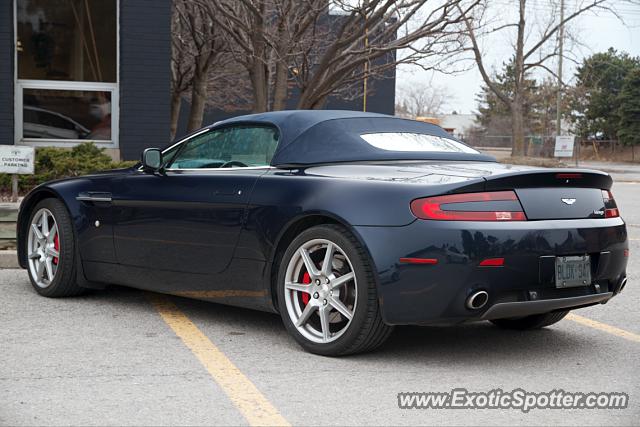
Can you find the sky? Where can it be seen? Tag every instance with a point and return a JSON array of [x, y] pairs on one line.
[[596, 34]]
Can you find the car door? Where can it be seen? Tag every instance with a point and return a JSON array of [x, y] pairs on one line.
[[188, 217]]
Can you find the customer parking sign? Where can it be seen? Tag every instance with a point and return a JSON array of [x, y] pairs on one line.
[[564, 146], [16, 160]]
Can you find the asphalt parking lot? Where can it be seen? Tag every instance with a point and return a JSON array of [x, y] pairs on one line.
[[126, 357]]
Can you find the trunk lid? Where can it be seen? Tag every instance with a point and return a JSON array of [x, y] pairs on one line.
[[561, 203], [543, 193], [554, 193]]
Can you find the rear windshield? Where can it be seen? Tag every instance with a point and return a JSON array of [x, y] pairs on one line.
[[416, 142]]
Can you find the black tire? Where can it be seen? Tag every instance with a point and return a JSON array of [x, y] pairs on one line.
[[366, 331], [535, 321], [64, 283]]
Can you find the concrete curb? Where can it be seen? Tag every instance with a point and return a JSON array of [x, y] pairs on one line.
[[9, 259]]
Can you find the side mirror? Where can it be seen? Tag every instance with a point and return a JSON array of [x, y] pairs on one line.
[[151, 159]]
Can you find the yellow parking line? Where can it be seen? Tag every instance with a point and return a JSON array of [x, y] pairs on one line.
[[243, 393], [604, 327]]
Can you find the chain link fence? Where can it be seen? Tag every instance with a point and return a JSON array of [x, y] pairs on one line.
[[543, 146]]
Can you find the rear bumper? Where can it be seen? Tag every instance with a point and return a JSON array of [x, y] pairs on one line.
[[503, 310], [427, 294]]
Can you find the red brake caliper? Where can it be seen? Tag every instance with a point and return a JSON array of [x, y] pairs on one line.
[[56, 246], [305, 279]]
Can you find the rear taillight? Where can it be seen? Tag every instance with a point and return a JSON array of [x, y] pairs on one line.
[[489, 206], [610, 206], [492, 262]]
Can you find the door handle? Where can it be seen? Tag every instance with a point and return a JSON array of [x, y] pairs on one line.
[[94, 196]]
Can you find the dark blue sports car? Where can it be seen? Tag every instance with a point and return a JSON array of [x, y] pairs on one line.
[[345, 223]]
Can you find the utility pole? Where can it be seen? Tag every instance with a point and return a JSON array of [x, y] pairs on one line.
[[559, 94], [560, 48], [366, 69], [366, 48]]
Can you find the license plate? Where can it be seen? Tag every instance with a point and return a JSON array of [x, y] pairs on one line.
[[573, 271]]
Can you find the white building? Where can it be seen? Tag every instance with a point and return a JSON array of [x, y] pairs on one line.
[[457, 125]]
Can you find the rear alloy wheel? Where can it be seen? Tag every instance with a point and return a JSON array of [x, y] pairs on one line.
[[327, 295], [535, 321], [51, 250]]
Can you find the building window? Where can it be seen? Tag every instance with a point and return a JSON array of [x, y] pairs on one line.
[[67, 71], [66, 114]]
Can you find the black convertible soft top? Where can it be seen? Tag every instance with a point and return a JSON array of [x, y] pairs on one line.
[[330, 136]]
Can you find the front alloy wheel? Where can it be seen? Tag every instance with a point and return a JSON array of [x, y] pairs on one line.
[[327, 295], [51, 250], [43, 248]]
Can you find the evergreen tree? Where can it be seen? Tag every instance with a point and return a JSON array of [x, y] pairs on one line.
[[595, 100], [629, 110], [539, 106]]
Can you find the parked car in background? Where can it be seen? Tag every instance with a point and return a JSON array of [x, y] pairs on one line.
[[41, 123]]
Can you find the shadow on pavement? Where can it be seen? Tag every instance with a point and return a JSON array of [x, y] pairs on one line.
[[479, 343]]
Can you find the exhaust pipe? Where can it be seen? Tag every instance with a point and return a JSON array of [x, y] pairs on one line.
[[622, 284], [477, 300]]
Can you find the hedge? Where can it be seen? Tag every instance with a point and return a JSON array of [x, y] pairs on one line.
[[54, 163]]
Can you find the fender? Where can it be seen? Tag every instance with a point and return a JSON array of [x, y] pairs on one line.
[[40, 192], [36, 195], [66, 190], [289, 232]]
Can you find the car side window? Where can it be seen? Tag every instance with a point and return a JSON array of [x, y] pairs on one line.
[[169, 154], [237, 146]]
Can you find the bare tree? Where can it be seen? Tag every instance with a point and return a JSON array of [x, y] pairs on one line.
[[265, 36], [298, 31], [229, 87], [206, 46], [244, 25], [298, 42], [534, 45], [181, 66], [371, 32], [421, 99]]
